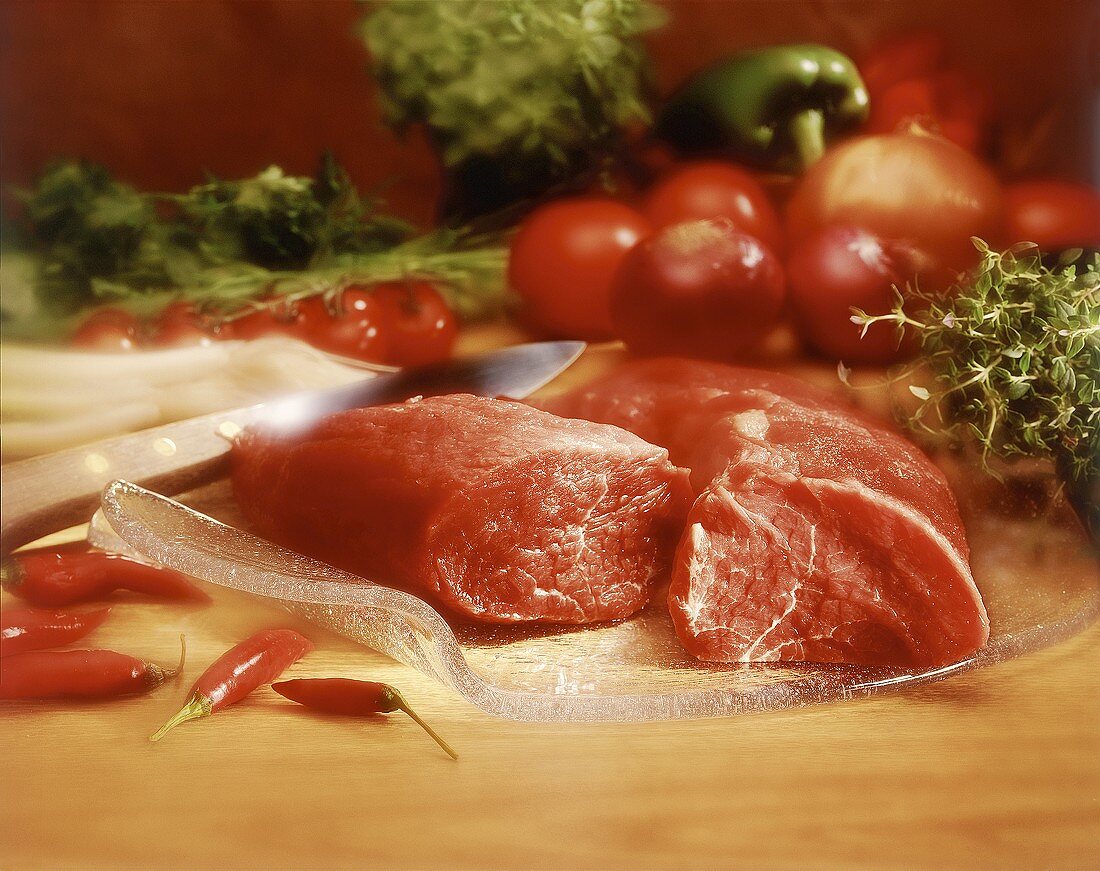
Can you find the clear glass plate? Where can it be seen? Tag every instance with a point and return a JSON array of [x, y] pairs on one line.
[[1039, 578]]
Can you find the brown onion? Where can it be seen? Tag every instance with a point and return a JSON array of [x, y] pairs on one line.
[[912, 187]]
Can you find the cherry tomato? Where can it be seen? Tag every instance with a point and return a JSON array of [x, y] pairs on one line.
[[712, 189], [564, 259], [839, 268], [107, 329], [1055, 215], [356, 330], [420, 326], [276, 320], [911, 187], [700, 289], [178, 325]]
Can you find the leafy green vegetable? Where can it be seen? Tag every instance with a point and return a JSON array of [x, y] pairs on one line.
[[504, 77], [226, 244], [514, 92], [1015, 354], [286, 222], [87, 227]]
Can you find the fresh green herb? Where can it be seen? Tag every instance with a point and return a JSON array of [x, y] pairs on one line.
[[470, 277], [286, 222], [1015, 357], [514, 93], [232, 246], [88, 226]]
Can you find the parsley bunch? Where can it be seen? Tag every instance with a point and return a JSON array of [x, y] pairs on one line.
[[232, 246], [517, 95]]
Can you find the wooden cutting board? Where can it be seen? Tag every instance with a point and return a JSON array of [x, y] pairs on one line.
[[991, 769]]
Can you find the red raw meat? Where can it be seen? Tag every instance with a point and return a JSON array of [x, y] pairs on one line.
[[669, 401], [501, 512], [818, 534]]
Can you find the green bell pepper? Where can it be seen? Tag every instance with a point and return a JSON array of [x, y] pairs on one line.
[[774, 107]]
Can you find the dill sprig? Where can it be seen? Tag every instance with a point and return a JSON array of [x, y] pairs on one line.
[[1014, 354]]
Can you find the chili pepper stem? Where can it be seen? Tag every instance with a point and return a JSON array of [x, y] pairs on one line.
[[197, 707], [158, 674], [404, 706], [807, 130], [178, 670], [10, 575]]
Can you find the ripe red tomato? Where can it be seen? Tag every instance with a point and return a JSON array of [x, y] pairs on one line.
[[178, 325], [700, 289], [107, 329], [712, 189], [274, 320], [356, 330], [419, 324], [910, 187], [1055, 215], [563, 261], [843, 267]]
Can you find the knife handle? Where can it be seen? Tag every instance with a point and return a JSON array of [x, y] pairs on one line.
[[45, 494]]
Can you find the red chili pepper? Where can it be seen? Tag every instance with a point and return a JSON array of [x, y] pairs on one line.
[[86, 674], [237, 672], [23, 629], [55, 577], [356, 698]]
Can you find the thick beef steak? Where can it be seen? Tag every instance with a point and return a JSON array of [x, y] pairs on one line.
[[817, 533], [497, 511]]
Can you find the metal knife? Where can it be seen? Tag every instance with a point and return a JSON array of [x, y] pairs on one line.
[[45, 494]]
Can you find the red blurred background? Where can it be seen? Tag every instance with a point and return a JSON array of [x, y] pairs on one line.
[[162, 92]]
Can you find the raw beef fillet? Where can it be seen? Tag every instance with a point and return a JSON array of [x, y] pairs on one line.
[[670, 401], [817, 534], [498, 511]]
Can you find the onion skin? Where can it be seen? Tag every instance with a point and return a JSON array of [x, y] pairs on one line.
[[913, 188]]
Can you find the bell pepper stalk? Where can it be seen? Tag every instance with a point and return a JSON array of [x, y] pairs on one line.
[[775, 108]]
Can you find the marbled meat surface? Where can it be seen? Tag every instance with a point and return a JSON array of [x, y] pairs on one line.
[[817, 533], [492, 509]]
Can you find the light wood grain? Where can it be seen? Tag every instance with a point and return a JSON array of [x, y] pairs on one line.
[[991, 769], [998, 768]]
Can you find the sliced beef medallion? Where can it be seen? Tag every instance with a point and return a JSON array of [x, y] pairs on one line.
[[497, 511], [817, 535]]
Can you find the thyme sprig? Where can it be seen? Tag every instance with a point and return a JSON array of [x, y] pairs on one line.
[[1014, 354]]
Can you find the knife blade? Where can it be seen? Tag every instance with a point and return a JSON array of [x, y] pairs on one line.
[[44, 494]]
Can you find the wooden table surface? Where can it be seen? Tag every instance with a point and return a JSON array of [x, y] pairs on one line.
[[990, 769], [993, 769]]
